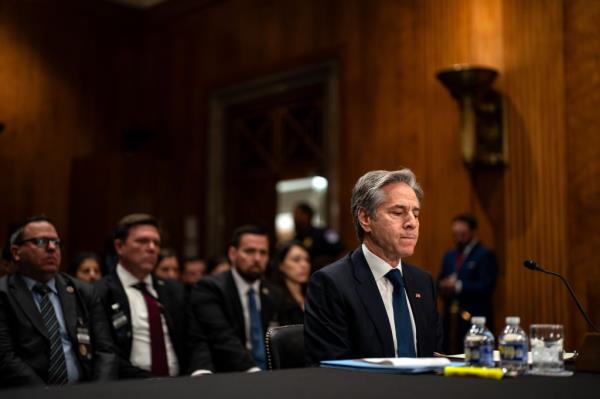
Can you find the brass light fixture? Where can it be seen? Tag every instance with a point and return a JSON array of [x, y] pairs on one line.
[[483, 139]]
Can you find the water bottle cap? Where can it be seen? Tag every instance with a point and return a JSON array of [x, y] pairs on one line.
[[479, 320], [513, 320]]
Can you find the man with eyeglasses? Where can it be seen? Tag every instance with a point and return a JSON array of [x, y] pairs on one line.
[[147, 314], [53, 330]]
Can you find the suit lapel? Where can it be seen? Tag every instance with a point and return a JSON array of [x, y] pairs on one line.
[[236, 304], [66, 294], [416, 303], [266, 306], [164, 301], [24, 299], [119, 296], [371, 298]]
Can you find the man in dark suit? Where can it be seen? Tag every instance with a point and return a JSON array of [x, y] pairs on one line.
[[466, 281], [371, 303], [147, 314], [234, 309], [53, 330]]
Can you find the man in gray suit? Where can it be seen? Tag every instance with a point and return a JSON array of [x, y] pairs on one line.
[[53, 329]]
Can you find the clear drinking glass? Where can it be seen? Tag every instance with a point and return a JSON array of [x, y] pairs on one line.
[[546, 343]]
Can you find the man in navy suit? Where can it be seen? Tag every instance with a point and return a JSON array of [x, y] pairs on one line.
[[234, 309], [147, 314], [53, 330], [466, 281], [371, 303]]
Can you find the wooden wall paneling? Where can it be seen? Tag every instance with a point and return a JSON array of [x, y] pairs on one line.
[[535, 184], [582, 66]]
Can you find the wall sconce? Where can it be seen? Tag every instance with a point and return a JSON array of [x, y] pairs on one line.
[[483, 139]]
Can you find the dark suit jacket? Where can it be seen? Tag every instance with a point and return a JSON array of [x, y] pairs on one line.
[[345, 316], [116, 306], [24, 345], [478, 276], [215, 313]]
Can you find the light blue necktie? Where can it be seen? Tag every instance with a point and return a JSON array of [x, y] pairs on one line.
[[256, 332], [404, 333]]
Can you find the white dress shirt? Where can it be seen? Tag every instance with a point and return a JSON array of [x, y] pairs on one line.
[[380, 268], [141, 351]]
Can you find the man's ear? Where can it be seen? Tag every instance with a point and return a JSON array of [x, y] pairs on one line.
[[364, 220], [14, 250], [118, 246], [232, 253]]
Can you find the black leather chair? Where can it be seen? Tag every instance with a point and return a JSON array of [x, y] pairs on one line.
[[285, 347]]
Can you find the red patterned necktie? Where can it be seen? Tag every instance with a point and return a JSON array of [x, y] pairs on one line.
[[160, 365]]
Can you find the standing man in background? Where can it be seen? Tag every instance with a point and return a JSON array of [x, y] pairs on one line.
[[53, 330], [323, 244], [466, 282]]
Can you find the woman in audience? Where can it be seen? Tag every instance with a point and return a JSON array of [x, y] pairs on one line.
[[292, 273], [86, 267], [168, 265]]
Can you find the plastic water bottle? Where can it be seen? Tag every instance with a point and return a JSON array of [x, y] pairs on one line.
[[513, 347], [479, 344]]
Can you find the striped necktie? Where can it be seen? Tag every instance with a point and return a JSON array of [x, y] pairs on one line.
[[57, 371]]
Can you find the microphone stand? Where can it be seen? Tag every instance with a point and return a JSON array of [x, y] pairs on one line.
[[589, 354]]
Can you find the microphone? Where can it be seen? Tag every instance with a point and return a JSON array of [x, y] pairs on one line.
[[531, 264]]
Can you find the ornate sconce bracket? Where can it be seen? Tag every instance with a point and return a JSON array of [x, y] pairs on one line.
[[483, 139]]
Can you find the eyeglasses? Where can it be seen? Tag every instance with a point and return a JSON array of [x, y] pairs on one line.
[[42, 242]]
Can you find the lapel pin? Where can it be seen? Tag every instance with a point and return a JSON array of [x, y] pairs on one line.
[[265, 291], [160, 282], [418, 295], [70, 289]]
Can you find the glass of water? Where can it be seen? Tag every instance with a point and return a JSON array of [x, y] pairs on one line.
[[546, 343]]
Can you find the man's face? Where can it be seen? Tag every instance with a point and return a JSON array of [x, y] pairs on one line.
[[393, 231], [138, 253], [193, 271], [301, 220], [40, 262], [251, 257], [461, 233]]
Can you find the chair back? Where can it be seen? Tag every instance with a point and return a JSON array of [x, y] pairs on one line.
[[285, 347]]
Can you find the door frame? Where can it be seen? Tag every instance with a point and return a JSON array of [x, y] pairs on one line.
[[325, 73]]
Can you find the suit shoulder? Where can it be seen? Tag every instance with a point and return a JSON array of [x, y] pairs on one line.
[[416, 271]]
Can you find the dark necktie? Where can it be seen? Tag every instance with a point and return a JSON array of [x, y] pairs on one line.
[[159, 367], [57, 371], [256, 332], [404, 333]]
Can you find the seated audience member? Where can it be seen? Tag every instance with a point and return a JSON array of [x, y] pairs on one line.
[[168, 265], [194, 269], [53, 330], [371, 303], [86, 267], [234, 309], [147, 313], [218, 265], [291, 273]]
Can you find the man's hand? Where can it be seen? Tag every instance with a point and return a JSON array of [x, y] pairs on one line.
[[448, 285]]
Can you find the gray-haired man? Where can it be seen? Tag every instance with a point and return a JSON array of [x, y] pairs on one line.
[[370, 303]]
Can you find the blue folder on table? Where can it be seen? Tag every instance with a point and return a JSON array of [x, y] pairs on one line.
[[392, 365]]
